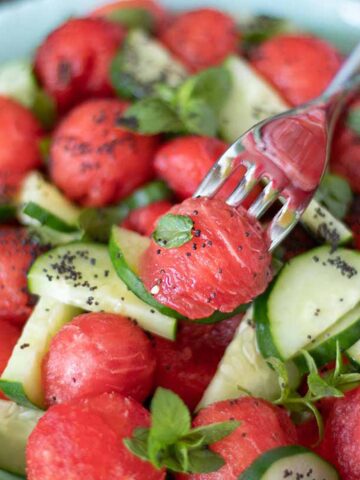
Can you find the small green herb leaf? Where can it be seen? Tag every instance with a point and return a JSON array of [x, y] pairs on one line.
[[170, 417], [261, 28], [151, 116], [204, 461], [335, 193], [210, 434], [132, 18], [319, 387], [173, 231], [353, 119], [282, 372], [199, 118], [171, 443], [211, 86]]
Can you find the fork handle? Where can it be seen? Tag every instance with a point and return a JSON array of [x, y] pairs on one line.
[[347, 77]]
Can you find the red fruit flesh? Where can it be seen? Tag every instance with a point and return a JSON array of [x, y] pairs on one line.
[[143, 220], [187, 365], [94, 161], [299, 66], [9, 335], [73, 61], [263, 427], [17, 252], [341, 444], [225, 264], [201, 38], [20, 134], [96, 353], [83, 440], [345, 154], [184, 162]]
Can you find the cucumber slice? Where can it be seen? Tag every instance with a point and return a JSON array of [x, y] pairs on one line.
[[243, 370], [346, 331], [291, 462], [41, 203], [16, 424], [9, 476], [21, 380], [250, 100], [126, 249], [353, 353], [18, 82], [81, 274], [324, 226], [143, 63], [132, 18], [311, 293]]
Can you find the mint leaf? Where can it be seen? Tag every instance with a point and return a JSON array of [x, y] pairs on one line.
[[204, 461], [170, 417], [132, 18], [173, 230], [199, 118], [151, 116], [353, 119], [209, 434], [138, 443], [320, 388], [335, 193], [211, 86]]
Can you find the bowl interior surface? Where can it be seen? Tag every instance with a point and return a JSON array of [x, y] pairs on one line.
[[24, 23]]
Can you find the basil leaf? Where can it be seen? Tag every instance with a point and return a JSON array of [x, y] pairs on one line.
[[132, 18], [170, 417], [209, 434], [212, 86], [353, 119], [173, 230], [138, 443], [335, 193], [199, 118], [151, 116], [204, 461]]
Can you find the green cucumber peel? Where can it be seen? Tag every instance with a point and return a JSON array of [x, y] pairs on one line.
[[48, 219], [135, 284], [7, 211], [15, 391], [10, 476]]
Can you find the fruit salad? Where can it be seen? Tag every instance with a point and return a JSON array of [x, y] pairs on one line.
[[147, 333]]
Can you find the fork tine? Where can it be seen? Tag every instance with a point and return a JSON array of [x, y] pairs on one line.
[[249, 180], [266, 198], [220, 172], [281, 225]]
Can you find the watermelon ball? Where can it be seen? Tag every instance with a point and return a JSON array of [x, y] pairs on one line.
[[17, 252], [263, 427], [20, 134], [225, 264], [73, 62], [95, 162], [299, 66], [96, 353], [9, 335], [143, 219], [201, 38], [84, 440], [345, 153], [187, 365]]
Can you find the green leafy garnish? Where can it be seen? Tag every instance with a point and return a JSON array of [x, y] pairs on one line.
[[353, 119], [171, 442], [132, 18], [335, 193], [173, 230], [333, 384], [190, 108]]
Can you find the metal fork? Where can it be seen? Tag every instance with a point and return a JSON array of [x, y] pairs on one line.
[[288, 152]]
